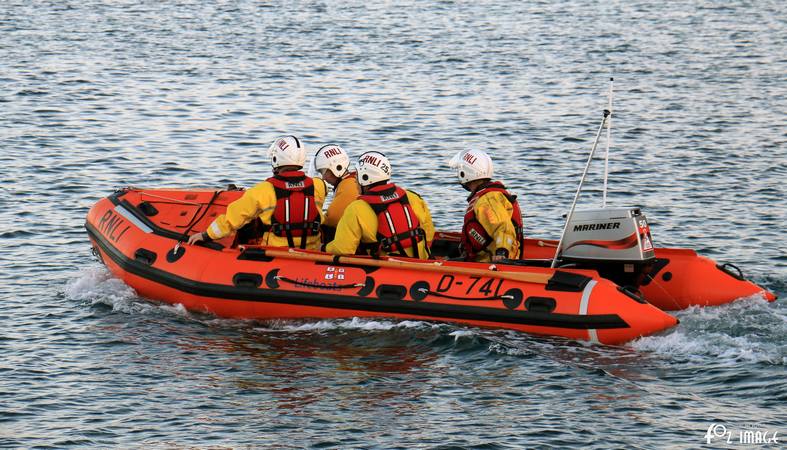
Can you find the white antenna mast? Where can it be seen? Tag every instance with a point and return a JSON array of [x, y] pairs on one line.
[[579, 189], [609, 137]]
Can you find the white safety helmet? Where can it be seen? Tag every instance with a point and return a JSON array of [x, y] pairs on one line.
[[471, 165], [287, 151], [373, 167], [331, 157]]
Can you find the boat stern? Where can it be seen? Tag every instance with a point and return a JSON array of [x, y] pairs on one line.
[[641, 317]]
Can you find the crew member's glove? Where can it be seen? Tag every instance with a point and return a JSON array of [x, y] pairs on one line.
[[500, 255], [199, 237]]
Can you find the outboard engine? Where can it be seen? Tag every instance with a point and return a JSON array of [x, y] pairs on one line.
[[614, 241]]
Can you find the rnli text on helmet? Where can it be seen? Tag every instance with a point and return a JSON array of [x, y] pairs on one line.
[[331, 151], [470, 159], [283, 145], [372, 160]]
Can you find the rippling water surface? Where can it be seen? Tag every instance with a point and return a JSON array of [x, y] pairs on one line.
[[96, 95]]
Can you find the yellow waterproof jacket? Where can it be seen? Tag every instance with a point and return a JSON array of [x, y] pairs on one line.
[[359, 225], [260, 201], [346, 192], [493, 211]]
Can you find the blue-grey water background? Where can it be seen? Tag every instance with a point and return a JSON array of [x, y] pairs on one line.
[[97, 95]]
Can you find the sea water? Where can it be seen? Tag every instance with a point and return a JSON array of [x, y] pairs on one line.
[[97, 95]]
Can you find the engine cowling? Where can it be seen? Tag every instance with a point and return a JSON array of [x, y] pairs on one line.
[[608, 234], [616, 242]]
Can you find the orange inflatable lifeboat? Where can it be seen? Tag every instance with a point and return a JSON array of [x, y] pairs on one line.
[[136, 234]]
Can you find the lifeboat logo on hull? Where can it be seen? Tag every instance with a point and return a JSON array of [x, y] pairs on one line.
[[331, 273]]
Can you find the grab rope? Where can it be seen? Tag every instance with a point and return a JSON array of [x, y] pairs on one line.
[[176, 201], [195, 221], [452, 297], [321, 286], [726, 269], [664, 291]]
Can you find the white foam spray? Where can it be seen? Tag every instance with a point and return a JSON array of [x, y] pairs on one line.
[[750, 330], [95, 285]]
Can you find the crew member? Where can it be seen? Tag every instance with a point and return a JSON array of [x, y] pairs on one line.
[[492, 229], [333, 165], [386, 219], [289, 204]]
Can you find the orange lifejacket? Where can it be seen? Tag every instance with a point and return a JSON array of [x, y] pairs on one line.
[[329, 232], [474, 236], [296, 213], [349, 175], [398, 227]]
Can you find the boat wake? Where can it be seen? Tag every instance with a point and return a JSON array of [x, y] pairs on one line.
[[343, 324], [95, 286], [750, 330]]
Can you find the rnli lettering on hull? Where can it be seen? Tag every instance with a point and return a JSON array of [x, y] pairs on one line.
[[597, 226], [110, 223]]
